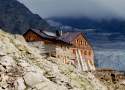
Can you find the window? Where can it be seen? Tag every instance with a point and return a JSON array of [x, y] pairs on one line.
[[85, 43], [56, 46], [74, 50], [81, 42], [85, 52], [81, 51], [38, 47], [89, 52], [77, 41], [30, 38]]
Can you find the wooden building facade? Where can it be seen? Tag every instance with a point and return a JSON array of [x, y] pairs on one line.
[[72, 47]]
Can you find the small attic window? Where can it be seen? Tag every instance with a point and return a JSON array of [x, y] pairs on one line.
[[85, 43], [77, 41], [30, 38], [81, 42]]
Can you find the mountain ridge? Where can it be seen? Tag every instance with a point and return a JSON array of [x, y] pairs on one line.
[[16, 18]]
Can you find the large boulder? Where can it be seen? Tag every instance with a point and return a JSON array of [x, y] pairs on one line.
[[34, 78], [19, 84], [8, 61]]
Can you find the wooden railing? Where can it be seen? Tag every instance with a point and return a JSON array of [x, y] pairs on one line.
[[107, 70]]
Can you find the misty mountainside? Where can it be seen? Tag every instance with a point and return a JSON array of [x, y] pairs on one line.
[[104, 38], [109, 51], [109, 25], [17, 18]]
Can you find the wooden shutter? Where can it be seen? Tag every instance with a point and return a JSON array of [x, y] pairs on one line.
[[38, 47], [32, 38], [28, 38], [75, 61], [56, 46], [63, 48], [65, 59], [74, 50], [59, 56], [56, 56], [85, 52], [86, 62], [69, 57], [91, 63], [66, 48], [81, 51]]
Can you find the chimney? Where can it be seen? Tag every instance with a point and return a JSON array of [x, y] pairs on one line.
[[40, 30], [58, 32]]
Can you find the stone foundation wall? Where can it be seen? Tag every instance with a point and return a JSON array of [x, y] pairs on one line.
[[60, 51], [39, 45], [44, 48], [50, 48], [108, 77]]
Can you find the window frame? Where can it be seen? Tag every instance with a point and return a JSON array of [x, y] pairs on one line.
[[85, 43], [81, 42], [30, 38], [77, 41]]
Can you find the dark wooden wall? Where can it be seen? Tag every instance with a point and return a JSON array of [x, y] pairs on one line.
[[81, 38], [86, 50], [34, 36]]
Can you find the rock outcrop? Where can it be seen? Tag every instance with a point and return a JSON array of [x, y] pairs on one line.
[[23, 68]]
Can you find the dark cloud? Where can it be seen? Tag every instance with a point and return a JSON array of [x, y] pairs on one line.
[[77, 8]]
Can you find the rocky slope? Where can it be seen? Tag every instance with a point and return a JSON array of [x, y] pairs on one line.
[[22, 67], [16, 18]]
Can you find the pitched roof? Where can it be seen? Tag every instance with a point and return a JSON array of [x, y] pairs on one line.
[[65, 38]]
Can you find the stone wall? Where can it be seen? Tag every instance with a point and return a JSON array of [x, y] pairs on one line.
[[108, 77], [39, 45], [50, 48], [63, 52], [44, 48]]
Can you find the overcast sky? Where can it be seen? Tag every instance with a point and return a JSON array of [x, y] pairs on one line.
[[77, 8]]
